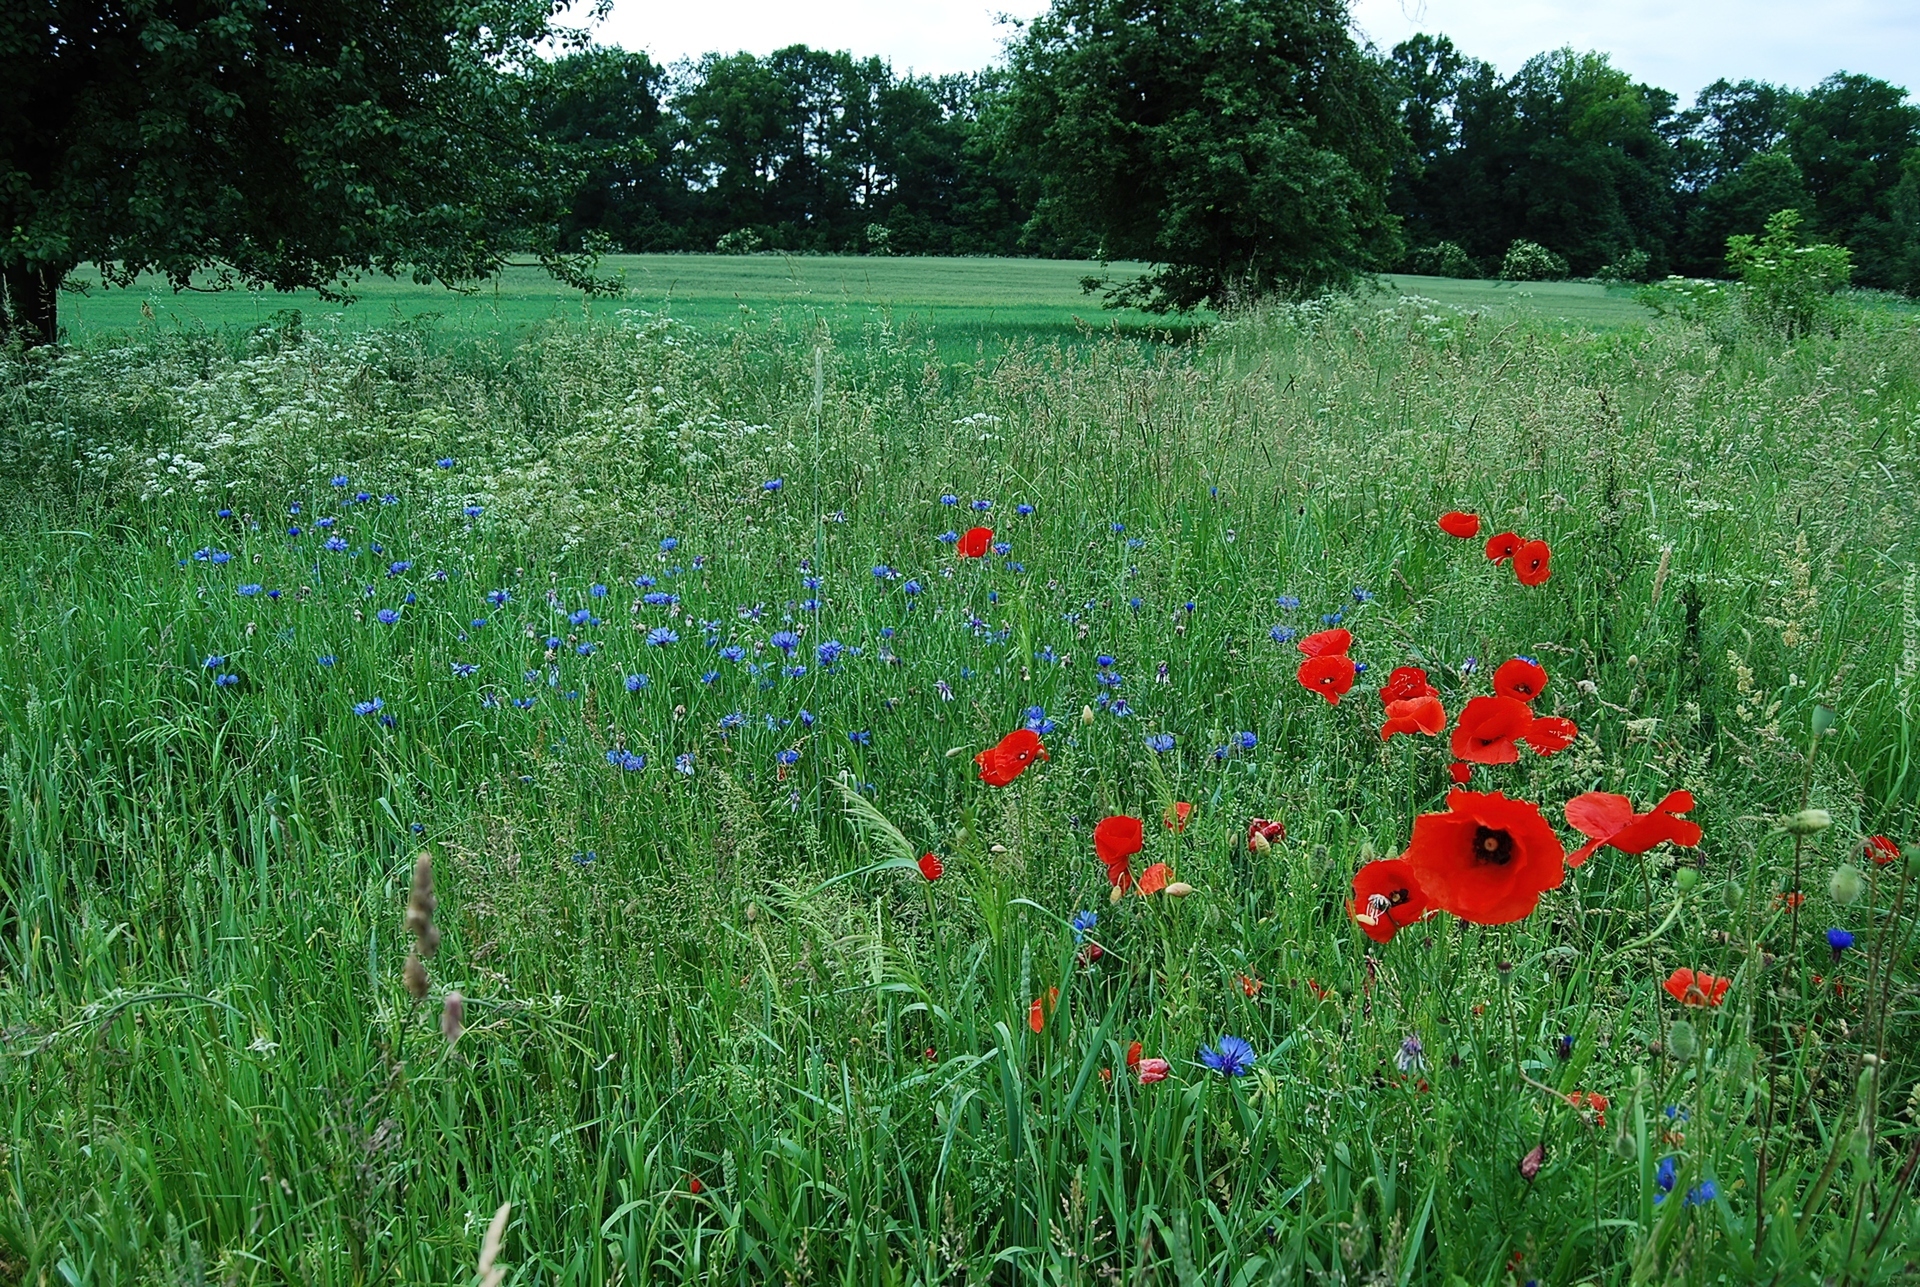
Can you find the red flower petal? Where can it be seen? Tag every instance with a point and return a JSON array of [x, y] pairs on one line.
[[1417, 715], [1405, 684], [1330, 676], [1386, 897], [1489, 730], [1042, 1007], [1549, 734], [1521, 679], [1001, 764], [1503, 547], [1176, 817], [931, 867], [1487, 859], [1327, 643], [1154, 879], [1460, 523], [1530, 563], [975, 542], [1460, 773]]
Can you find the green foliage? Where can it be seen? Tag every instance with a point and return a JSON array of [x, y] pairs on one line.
[[1788, 288], [216, 1071], [1527, 261], [275, 141], [1242, 147], [1446, 259], [1630, 267], [1852, 138]]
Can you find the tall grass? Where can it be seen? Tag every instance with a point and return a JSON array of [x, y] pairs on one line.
[[712, 1034]]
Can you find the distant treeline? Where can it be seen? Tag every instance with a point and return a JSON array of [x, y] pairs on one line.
[[814, 151]]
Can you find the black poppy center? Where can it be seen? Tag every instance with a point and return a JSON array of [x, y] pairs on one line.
[[1491, 846]]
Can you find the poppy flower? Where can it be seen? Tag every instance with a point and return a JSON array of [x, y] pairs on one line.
[[1530, 1164], [1881, 850], [694, 1185], [931, 867], [1042, 1007], [1152, 1070], [1386, 897], [1504, 546], [1489, 730], [1115, 840], [1001, 764], [1593, 1101], [1249, 986], [1521, 679], [1689, 988], [1327, 643], [1154, 879], [1416, 715], [1549, 734], [1460, 773], [1530, 563], [975, 542], [1133, 1056], [1176, 815], [1330, 675], [1461, 524], [1262, 834], [1405, 684], [1487, 859], [1608, 819]]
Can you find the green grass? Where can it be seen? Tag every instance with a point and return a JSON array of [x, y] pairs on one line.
[[213, 1068]]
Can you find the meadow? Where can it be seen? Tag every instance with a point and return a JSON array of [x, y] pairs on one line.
[[670, 645]]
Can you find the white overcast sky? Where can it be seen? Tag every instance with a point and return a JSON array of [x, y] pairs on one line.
[[1677, 44]]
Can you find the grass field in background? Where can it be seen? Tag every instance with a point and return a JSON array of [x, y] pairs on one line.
[[962, 302], [656, 638]]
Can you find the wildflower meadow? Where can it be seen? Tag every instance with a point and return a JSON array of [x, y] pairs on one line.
[[1369, 792]]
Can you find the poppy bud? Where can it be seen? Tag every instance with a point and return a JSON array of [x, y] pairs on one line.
[[753, 912], [1626, 1147], [1114, 895], [1732, 895], [1530, 1164], [1808, 822], [1686, 878], [1846, 885], [1086, 714], [1822, 721], [1178, 889], [1152, 1070], [1259, 844], [1682, 1040], [415, 975]]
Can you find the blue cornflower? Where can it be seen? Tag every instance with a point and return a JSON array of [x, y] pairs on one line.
[[368, 707], [784, 640], [526, 703], [553, 641], [585, 858], [1083, 923], [341, 480], [669, 542], [1002, 548], [1023, 510], [788, 757], [325, 522], [1702, 1193], [637, 682], [829, 652], [710, 677], [1162, 742], [806, 718], [465, 669], [580, 616], [1248, 741], [585, 648], [658, 599], [218, 557], [1839, 940], [1281, 634], [860, 737], [733, 652], [478, 623], [498, 597], [683, 763], [625, 759], [326, 660], [1362, 595], [911, 588], [445, 462], [644, 582], [1119, 706], [1118, 527], [387, 616], [810, 582], [949, 537], [336, 545], [949, 499], [377, 548], [389, 720], [1664, 1176], [661, 636], [225, 679], [881, 572], [809, 605], [1220, 753], [1287, 602], [248, 591], [399, 567], [363, 497], [791, 672], [597, 590], [294, 508], [1331, 618], [732, 721], [983, 505], [1229, 1056], [773, 484], [225, 513], [214, 663], [1037, 720]]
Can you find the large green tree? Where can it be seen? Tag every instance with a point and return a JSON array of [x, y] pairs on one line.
[[1853, 138], [283, 143], [1239, 145]]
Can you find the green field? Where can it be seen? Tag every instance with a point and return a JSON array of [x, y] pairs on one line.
[[654, 633], [961, 301]]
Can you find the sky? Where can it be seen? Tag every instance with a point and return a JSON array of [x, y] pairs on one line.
[[1679, 45]]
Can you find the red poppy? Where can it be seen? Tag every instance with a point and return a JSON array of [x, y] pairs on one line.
[[1001, 764], [1530, 563], [1460, 523], [1133, 1055], [694, 1185], [1152, 1070], [1689, 988], [1176, 816], [1327, 643], [1489, 730], [1460, 773], [1249, 985], [1416, 715], [1487, 859], [1154, 879], [931, 867], [1261, 831], [1042, 1007], [975, 542], [1330, 675], [1503, 547], [1608, 819], [1405, 684], [1549, 734], [1521, 679], [1115, 840], [1592, 1100], [1881, 850], [1387, 897]]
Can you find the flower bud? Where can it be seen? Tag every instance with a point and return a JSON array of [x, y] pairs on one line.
[[1846, 885], [1152, 1070], [1682, 1040], [1686, 878], [1626, 1147], [1259, 844], [1178, 889], [1823, 718], [1732, 895], [1808, 822], [1114, 896], [1086, 714]]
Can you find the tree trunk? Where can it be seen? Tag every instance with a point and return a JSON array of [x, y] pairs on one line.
[[31, 304]]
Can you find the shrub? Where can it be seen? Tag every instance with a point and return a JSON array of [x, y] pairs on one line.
[[1443, 259], [741, 241], [1788, 288], [1529, 261], [1631, 266]]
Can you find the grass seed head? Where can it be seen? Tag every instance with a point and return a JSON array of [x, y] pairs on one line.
[[415, 975], [453, 1017]]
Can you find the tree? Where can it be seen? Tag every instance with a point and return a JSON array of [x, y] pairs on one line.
[[285, 143], [601, 110], [1851, 138], [1239, 145]]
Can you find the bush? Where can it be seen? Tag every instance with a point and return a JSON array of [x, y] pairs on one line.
[[1443, 259], [1788, 288], [1631, 266], [1528, 261], [741, 241]]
